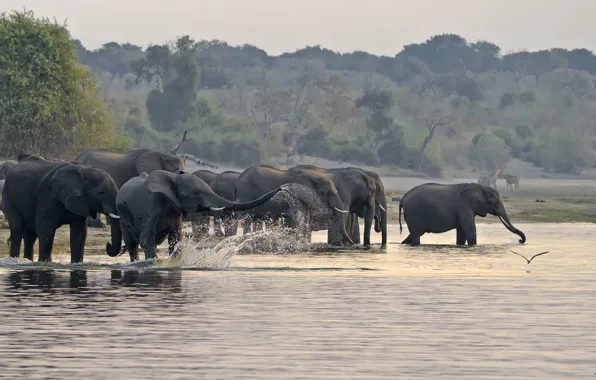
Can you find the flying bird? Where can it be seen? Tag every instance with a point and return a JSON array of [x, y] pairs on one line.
[[538, 254]]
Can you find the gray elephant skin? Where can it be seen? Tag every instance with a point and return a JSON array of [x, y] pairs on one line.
[[225, 223], [380, 214], [200, 221], [151, 207], [363, 194], [124, 166], [438, 208], [259, 179], [39, 196]]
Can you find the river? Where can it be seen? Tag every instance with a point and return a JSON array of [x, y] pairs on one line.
[[434, 311]]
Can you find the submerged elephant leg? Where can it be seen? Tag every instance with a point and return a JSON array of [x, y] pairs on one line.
[[355, 229], [461, 237], [46, 243], [175, 236], [29, 240], [147, 239], [467, 225], [78, 236], [131, 245]]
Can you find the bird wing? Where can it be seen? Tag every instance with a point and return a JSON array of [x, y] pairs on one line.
[[519, 255], [538, 254]]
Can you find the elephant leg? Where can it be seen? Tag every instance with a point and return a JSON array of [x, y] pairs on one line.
[[230, 224], [468, 227], [46, 243], [148, 238], [174, 238], [15, 238], [78, 236], [132, 246], [461, 237], [355, 229], [246, 224], [217, 226], [200, 226], [29, 239]]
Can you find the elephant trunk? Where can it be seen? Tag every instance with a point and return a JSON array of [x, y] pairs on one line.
[[341, 219], [381, 221], [505, 220], [113, 248], [234, 206]]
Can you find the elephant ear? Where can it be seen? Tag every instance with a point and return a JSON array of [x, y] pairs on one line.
[[148, 162], [161, 183], [474, 196], [68, 187]]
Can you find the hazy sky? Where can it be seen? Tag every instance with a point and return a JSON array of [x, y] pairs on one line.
[[376, 26]]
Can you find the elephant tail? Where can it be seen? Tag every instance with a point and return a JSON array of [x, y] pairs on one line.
[[399, 217]]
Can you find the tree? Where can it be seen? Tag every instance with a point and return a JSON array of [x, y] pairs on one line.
[[49, 103], [432, 114], [174, 72]]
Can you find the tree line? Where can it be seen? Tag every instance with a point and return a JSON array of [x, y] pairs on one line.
[[445, 102]]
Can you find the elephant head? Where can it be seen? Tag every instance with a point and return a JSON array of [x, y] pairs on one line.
[[189, 194], [87, 191], [154, 160], [326, 190], [486, 200]]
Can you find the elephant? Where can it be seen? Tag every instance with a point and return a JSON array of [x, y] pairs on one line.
[[437, 208], [6, 167], [40, 196], [224, 185], [380, 213], [259, 179], [200, 221], [124, 166], [151, 207], [357, 191]]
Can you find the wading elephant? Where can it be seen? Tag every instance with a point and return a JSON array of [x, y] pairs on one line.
[[39, 196], [152, 206], [200, 221], [357, 191], [380, 212], [259, 179], [437, 208], [124, 166]]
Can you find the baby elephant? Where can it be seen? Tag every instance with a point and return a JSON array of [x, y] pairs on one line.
[[436, 208], [151, 207]]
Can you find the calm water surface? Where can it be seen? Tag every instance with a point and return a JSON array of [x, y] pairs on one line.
[[428, 312]]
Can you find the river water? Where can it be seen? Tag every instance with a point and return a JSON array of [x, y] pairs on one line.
[[434, 311]]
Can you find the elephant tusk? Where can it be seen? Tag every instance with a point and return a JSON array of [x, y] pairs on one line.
[[114, 216], [382, 208], [342, 211], [216, 208]]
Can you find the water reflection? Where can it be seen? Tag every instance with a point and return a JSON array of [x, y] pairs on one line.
[[47, 280], [170, 279]]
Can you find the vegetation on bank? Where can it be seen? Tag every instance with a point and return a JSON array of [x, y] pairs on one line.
[[443, 102], [49, 103]]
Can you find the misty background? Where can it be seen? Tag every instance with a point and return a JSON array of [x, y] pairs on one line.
[[425, 88]]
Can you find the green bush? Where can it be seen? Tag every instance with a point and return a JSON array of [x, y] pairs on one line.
[[49, 103]]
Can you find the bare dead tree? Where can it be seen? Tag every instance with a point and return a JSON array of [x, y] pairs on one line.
[[184, 139], [432, 121]]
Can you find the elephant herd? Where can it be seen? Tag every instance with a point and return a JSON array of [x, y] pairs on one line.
[[145, 196]]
